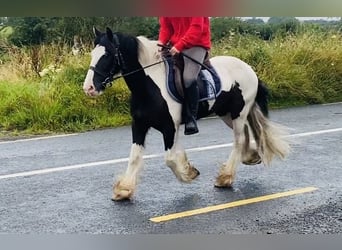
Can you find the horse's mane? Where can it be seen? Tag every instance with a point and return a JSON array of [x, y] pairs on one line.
[[147, 51]]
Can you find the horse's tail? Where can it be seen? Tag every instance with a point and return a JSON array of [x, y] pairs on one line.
[[262, 97], [269, 136]]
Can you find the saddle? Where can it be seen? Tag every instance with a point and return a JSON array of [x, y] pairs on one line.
[[209, 83]]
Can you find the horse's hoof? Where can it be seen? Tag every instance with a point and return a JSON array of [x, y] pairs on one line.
[[195, 173], [253, 159], [121, 192], [122, 195], [219, 185], [224, 181], [252, 162]]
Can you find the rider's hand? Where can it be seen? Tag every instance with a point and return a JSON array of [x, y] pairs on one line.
[[160, 48], [174, 51], [163, 50]]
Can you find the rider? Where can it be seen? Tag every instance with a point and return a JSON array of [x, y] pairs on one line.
[[191, 36]]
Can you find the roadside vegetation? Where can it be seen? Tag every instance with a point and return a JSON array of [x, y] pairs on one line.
[[41, 79]]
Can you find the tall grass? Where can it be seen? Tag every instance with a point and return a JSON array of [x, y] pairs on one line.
[[51, 99], [302, 69], [41, 87]]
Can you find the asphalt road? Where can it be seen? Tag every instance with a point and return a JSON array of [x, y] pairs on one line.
[[63, 184]]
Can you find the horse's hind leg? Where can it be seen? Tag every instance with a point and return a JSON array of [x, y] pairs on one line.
[[250, 154], [125, 185], [228, 170], [176, 159]]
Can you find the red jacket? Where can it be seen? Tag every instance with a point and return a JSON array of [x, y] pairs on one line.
[[185, 32]]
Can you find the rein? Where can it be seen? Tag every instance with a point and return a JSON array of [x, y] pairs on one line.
[[108, 82], [135, 71]]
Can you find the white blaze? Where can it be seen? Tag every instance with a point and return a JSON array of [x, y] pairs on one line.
[[96, 54]]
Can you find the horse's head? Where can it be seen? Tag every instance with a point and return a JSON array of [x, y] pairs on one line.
[[105, 63]]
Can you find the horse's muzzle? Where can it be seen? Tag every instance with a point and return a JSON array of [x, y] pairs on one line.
[[91, 91]]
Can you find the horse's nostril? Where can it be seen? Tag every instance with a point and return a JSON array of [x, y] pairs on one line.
[[89, 88]]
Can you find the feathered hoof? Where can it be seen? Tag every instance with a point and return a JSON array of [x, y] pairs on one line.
[[224, 181], [194, 173], [254, 159], [188, 175], [121, 192], [251, 162]]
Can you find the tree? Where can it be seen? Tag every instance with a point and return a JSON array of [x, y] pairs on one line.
[[28, 30], [38, 30], [284, 25], [3, 21], [223, 26], [255, 20]]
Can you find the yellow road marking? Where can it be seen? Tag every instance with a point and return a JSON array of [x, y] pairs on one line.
[[231, 204]]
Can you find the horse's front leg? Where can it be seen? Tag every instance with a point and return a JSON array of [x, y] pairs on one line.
[[175, 157], [125, 185]]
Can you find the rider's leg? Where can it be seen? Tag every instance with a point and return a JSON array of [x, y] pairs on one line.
[[191, 71]]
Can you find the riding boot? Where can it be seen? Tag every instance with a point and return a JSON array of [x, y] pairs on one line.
[[191, 108]]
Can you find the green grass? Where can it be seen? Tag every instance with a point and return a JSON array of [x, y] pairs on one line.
[[5, 32], [56, 103], [299, 70], [306, 69]]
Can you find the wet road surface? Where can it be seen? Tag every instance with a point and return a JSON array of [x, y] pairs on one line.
[[63, 184]]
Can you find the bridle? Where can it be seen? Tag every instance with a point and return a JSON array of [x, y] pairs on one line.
[[118, 62]]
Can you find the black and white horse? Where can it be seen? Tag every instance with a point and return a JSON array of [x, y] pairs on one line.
[[242, 105]]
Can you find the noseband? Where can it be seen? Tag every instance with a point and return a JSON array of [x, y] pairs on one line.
[[108, 79]]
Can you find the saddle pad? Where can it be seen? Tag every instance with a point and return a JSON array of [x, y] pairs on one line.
[[209, 84]]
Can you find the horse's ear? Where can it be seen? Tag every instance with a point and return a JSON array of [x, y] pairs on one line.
[[109, 33], [96, 32]]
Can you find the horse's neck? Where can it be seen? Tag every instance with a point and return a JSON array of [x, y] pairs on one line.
[[147, 51], [138, 53], [132, 69]]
